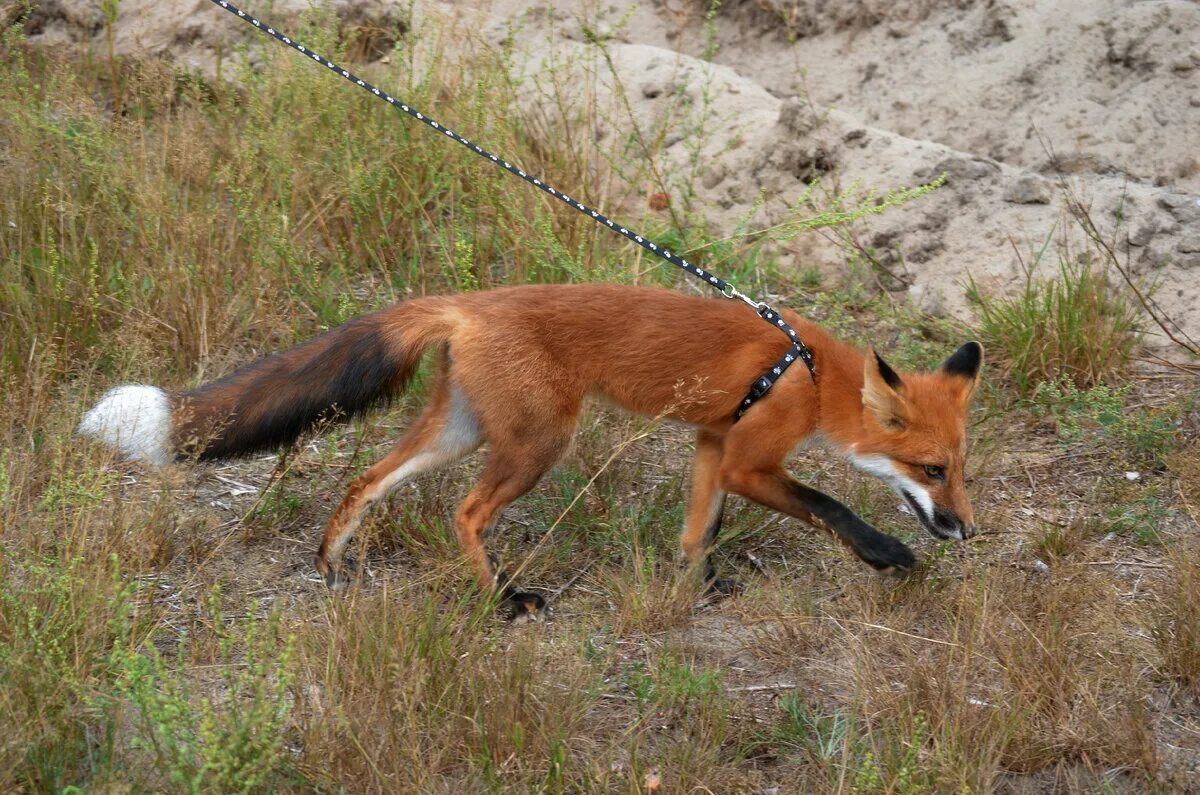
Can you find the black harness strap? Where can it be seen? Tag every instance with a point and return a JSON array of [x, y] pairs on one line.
[[762, 385], [764, 382]]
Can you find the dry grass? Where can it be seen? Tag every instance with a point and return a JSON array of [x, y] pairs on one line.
[[122, 669], [1176, 626]]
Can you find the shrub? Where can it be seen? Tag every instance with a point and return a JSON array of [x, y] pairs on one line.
[[1078, 326], [231, 740]]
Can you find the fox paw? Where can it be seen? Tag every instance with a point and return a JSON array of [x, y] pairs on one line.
[[889, 556], [523, 607], [724, 587], [338, 576]]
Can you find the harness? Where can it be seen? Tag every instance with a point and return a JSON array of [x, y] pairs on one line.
[[761, 386]]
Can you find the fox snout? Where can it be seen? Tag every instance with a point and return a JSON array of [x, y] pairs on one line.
[[940, 521], [947, 524]]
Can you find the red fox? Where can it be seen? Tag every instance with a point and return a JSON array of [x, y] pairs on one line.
[[513, 368]]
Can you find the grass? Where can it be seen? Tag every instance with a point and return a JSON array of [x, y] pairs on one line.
[[162, 631], [1074, 325], [1176, 627]]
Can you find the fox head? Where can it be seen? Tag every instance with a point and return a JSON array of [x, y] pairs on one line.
[[914, 437]]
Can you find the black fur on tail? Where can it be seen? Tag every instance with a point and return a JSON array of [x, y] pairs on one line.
[[270, 402]]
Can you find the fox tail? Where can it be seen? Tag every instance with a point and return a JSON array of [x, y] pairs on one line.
[[270, 402]]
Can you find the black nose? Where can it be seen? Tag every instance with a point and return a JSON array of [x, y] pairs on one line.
[[949, 525]]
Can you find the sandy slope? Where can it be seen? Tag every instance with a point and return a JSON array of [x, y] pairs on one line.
[[888, 94]]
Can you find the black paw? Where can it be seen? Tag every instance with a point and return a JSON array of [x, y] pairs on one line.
[[888, 556], [522, 607], [338, 576], [724, 587]]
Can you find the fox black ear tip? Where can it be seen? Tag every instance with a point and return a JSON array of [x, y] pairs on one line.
[[965, 361], [889, 376]]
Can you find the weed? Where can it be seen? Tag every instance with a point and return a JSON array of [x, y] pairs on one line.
[[804, 727], [59, 619], [1059, 542], [650, 595], [1101, 413], [406, 690], [230, 741], [1185, 465], [1076, 327], [1141, 519]]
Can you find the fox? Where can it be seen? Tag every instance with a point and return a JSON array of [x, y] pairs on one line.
[[513, 368]]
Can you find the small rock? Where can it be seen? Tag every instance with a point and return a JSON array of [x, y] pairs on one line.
[[796, 116], [1189, 244], [1133, 475], [713, 176], [928, 298], [1028, 189], [959, 169], [1183, 208], [1143, 234], [1040, 566], [651, 89]]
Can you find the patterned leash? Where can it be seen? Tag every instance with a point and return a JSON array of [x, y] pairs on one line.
[[762, 384]]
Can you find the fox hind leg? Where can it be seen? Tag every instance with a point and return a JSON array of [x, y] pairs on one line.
[[706, 507], [513, 468], [447, 431]]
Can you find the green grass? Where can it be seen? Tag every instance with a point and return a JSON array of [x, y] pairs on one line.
[[1073, 325]]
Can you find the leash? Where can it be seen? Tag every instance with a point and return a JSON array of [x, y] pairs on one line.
[[762, 384]]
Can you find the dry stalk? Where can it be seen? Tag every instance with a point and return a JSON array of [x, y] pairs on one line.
[[1083, 216]]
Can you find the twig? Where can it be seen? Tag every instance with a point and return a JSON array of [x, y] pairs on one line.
[[1186, 367], [869, 625], [1084, 217], [552, 598], [759, 688], [1122, 563], [758, 564]]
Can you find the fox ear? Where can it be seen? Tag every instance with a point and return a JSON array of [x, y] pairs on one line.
[[965, 363], [882, 392]]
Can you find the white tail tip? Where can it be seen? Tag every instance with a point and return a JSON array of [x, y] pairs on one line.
[[135, 419]]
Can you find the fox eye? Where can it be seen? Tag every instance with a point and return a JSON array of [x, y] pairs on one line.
[[935, 473]]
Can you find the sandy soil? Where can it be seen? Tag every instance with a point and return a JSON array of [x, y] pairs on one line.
[[1011, 100]]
